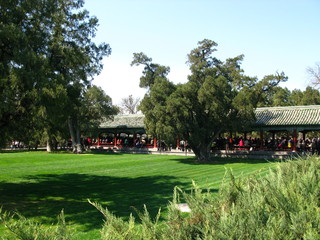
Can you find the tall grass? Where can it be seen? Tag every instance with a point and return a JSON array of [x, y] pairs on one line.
[[284, 204]]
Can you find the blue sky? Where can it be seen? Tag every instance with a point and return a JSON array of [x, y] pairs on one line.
[[273, 35]]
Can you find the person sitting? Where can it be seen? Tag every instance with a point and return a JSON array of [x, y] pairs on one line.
[[241, 143]]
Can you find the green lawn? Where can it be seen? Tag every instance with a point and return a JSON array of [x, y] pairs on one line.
[[39, 185]]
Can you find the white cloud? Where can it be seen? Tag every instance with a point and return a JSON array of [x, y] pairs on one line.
[[119, 80]]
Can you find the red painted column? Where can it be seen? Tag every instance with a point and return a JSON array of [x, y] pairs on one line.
[[154, 142], [294, 140], [115, 140]]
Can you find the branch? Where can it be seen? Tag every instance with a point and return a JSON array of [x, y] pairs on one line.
[[314, 74]]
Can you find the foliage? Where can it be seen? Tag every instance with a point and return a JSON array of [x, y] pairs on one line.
[[281, 205], [94, 107], [217, 98], [284, 97], [311, 96], [47, 61], [115, 228], [278, 96], [26, 229], [151, 70]]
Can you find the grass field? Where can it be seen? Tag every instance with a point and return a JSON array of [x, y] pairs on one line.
[[39, 185]]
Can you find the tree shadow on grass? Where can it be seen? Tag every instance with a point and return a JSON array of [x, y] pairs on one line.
[[223, 161], [44, 196]]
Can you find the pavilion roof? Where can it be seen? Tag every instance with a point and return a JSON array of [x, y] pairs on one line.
[[268, 118], [292, 115], [124, 121]]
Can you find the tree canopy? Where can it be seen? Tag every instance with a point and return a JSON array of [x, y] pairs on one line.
[[279, 96], [218, 97], [47, 61]]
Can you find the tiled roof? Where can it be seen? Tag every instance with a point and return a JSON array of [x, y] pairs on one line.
[[266, 116], [125, 121], [285, 116]]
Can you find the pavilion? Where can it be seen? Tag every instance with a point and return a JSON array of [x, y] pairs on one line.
[[291, 119]]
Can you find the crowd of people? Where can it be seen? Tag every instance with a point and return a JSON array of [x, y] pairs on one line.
[[124, 141], [310, 144], [17, 144], [303, 145]]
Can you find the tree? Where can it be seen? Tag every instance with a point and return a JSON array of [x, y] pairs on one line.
[[47, 61], [22, 44], [74, 59], [311, 96], [130, 105], [276, 97], [314, 74], [295, 97], [151, 71], [95, 107], [155, 80], [217, 98]]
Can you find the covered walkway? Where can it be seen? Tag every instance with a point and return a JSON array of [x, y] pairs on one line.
[[128, 131], [296, 120]]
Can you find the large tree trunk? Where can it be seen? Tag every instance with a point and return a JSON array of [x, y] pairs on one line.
[[79, 145], [54, 144], [202, 152], [75, 136], [49, 141], [49, 145]]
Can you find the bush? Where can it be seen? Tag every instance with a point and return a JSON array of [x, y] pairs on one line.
[[282, 205], [285, 204], [25, 229]]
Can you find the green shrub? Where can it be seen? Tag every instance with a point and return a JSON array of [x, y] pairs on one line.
[[285, 204], [282, 205], [25, 229]]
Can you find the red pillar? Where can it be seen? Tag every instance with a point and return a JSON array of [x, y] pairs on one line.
[[294, 140], [154, 142], [115, 140]]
